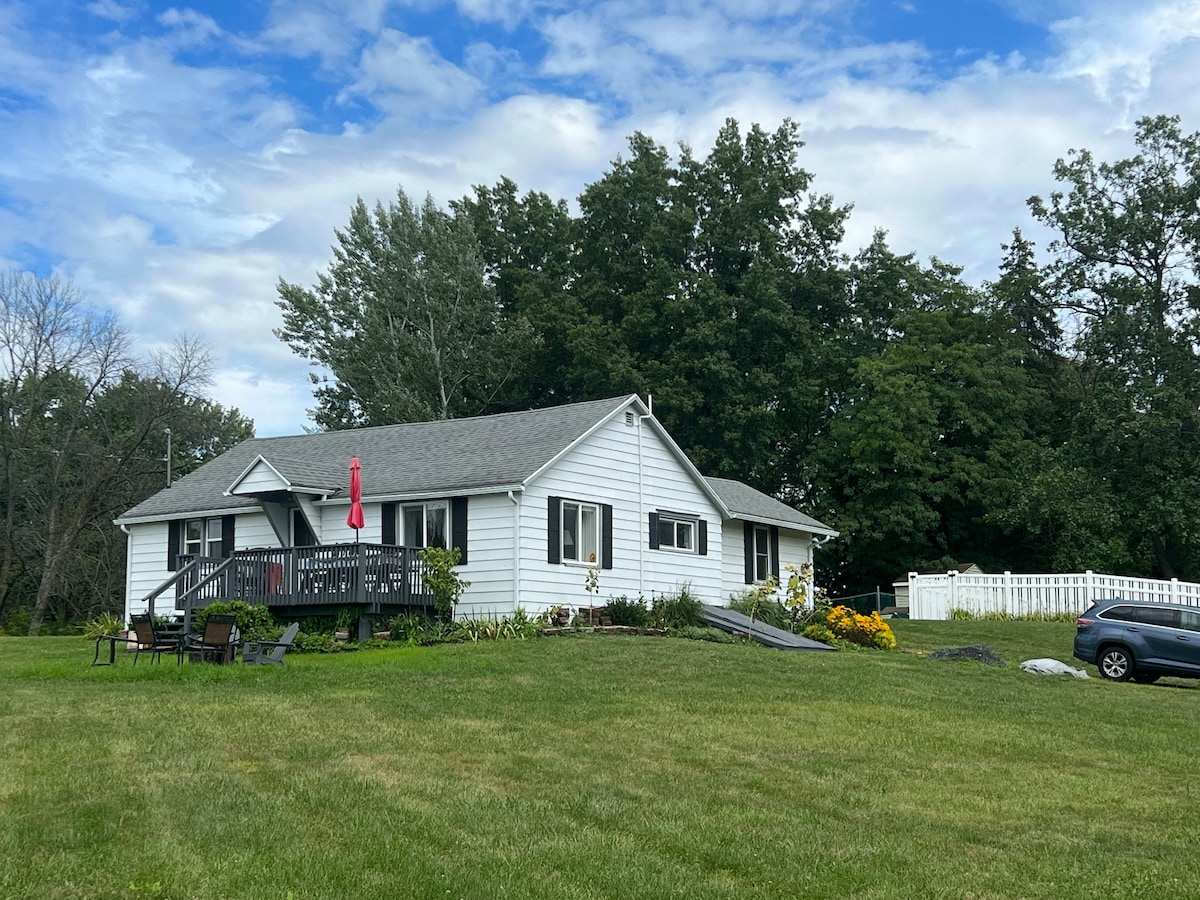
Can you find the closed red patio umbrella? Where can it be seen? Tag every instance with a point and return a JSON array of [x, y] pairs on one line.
[[355, 519]]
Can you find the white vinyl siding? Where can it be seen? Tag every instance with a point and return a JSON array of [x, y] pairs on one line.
[[604, 470], [260, 479], [490, 570], [795, 547], [147, 561]]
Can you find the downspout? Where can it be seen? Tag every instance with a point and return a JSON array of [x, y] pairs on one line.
[[516, 551], [128, 568], [641, 501]]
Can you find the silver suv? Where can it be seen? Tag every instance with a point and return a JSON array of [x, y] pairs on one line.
[[1135, 639]]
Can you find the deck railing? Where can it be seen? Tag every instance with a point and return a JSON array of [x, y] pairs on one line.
[[368, 575]]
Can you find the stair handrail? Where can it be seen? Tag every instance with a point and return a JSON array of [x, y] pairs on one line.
[[170, 582], [190, 594]]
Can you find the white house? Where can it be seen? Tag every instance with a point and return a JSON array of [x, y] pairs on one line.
[[532, 499]]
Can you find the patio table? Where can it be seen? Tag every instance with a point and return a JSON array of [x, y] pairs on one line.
[[112, 648]]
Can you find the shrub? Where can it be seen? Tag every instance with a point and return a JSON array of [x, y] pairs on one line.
[[818, 632], [315, 643], [868, 631], [770, 612], [105, 623], [679, 611], [411, 628], [254, 622], [623, 611], [446, 585]]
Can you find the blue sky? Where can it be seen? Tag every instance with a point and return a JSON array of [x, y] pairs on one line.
[[176, 160]]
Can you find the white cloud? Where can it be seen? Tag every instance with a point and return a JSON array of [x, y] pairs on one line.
[[406, 74], [189, 26], [110, 9]]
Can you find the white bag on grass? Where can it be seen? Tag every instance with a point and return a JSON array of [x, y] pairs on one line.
[[1051, 667]]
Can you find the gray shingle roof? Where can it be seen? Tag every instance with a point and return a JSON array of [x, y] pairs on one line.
[[747, 503], [420, 458]]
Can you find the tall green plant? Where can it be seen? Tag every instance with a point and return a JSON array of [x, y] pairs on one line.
[[446, 585]]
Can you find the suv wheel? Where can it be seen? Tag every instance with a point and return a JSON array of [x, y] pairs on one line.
[[1116, 664]]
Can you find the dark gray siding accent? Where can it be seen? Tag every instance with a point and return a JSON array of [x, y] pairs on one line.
[[174, 542], [388, 511], [748, 546], [554, 530], [606, 536], [227, 544], [458, 527]]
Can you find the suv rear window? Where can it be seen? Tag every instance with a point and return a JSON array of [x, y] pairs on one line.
[[1118, 613], [1153, 615]]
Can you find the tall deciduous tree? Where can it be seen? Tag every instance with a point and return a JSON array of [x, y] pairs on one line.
[[1127, 266], [405, 320], [78, 416]]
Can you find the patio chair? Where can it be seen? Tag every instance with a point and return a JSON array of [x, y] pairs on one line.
[[269, 653], [150, 641], [218, 642]]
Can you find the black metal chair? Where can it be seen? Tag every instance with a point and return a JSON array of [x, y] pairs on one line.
[[150, 641], [217, 644]]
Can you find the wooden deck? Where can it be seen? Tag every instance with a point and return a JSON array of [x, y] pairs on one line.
[[371, 576]]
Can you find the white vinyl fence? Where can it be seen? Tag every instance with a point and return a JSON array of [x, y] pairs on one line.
[[934, 596]]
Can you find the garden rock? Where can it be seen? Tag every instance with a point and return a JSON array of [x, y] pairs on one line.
[[979, 654], [1051, 667]]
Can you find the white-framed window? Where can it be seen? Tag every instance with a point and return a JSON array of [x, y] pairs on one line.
[[580, 532], [762, 553], [425, 524], [202, 537], [676, 533]]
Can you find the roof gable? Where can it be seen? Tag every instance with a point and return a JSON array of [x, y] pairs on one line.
[[282, 473]]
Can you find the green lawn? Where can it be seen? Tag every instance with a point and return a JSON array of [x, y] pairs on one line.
[[596, 767]]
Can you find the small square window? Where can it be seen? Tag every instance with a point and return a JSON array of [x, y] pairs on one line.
[[676, 533]]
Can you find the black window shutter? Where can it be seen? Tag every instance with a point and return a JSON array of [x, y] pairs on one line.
[[174, 543], [748, 540], [702, 540], [553, 531], [458, 527], [388, 510], [606, 525], [653, 531], [774, 550], [227, 543]]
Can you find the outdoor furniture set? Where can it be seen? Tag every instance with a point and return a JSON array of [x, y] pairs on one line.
[[218, 643]]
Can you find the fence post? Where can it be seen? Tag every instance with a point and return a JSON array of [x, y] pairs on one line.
[[1089, 588], [953, 590], [1174, 597], [913, 609], [1008, 600]]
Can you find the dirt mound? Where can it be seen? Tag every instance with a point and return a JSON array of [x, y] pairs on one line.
[[978, 654]]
